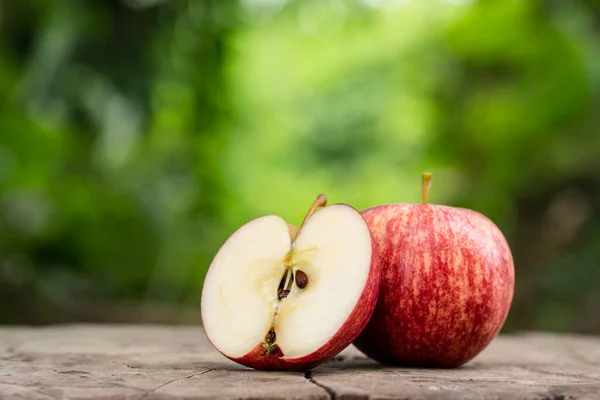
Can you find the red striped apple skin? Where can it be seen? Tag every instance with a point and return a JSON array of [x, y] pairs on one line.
[[348, 332], [447, 282]]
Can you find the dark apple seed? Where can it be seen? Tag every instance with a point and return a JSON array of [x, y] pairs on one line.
[[270, 336], [301, 279]]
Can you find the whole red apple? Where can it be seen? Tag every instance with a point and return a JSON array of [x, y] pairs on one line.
[[447, 282]]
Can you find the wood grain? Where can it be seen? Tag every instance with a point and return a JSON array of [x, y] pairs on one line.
[[164, 362]]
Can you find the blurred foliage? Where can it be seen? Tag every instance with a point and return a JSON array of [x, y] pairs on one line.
[[136, 135]]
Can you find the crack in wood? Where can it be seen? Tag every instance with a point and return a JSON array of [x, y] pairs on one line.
[[330, 392], [162, 385]]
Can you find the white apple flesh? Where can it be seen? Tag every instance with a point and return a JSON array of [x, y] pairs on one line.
[[253, 311]]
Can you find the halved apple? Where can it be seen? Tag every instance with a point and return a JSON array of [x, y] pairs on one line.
[[279, 298]]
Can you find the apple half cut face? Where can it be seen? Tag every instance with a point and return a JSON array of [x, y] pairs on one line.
[[276, 301]]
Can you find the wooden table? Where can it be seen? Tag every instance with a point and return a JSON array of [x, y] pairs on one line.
[[151, 362]]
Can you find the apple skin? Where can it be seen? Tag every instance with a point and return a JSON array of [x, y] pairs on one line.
[[348, 332], [447, 282]]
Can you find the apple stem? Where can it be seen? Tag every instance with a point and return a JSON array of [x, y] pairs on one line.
[[425, 186], [320, 201]]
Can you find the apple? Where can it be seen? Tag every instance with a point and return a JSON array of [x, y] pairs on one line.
[[447, 282], [280, 298]]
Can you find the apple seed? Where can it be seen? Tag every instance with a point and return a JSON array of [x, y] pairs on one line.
[[285, 285], [301, 279], [270, 336]]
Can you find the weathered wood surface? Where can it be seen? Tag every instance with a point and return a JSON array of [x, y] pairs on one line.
[[158, 362]]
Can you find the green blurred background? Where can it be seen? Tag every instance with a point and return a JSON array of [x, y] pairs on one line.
[[137, 135]]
